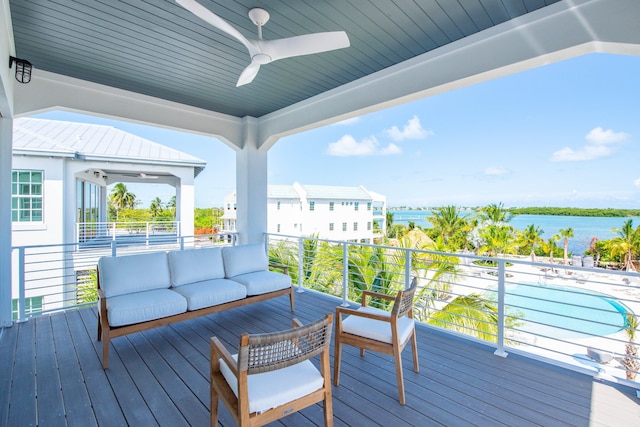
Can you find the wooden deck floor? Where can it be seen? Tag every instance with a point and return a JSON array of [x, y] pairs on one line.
[[50, 375]]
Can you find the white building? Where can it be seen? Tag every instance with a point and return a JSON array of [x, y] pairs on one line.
[[60, 174], [330, 212]]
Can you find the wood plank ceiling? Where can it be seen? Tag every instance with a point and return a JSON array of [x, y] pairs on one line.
[[157, 48]]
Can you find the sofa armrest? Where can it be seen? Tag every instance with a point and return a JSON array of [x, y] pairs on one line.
[[284, 268]]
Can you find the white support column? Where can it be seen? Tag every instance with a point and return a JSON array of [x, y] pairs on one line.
[[251, 186], [6, 144]]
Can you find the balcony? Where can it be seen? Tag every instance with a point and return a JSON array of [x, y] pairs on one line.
[[51, 368]]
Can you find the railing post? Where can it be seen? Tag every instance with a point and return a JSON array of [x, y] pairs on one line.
[[21, 285], [407, 268], [113, 231], [501, 309], [147, 234], [181, 242], [113, 248], [300, 263], [345, 274], [77, 232]]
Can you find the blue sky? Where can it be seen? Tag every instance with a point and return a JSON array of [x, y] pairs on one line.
[[566, 134]]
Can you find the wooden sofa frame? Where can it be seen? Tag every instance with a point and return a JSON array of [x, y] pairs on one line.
[[106, 332]]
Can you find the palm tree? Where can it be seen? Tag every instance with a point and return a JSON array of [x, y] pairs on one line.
[[631, 361], [389, 222], [498, 239], [469, 314], [155, 208], [448, 223], [626, 244], [530, 237], [494, 214], [550, 246], [121, 198], [566, 234]]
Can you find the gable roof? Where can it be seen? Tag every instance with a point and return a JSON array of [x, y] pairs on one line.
[[39, 137]]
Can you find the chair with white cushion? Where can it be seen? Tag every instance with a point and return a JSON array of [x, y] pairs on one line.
[[272, 376], [378, 330]]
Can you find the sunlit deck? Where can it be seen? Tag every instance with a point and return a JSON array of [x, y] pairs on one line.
[[51, 375]]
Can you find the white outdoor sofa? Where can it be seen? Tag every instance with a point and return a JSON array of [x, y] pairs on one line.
[[143, 291]]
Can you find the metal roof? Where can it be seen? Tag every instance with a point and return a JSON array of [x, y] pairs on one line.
[[94, 142], [157, 48]]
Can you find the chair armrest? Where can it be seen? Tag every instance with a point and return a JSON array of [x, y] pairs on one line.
[[284, 268], [295, 323], [352, 312], [101, 294], [219, 351]]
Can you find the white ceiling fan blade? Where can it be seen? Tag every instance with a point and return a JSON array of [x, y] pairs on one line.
[[304, 45], [213, 19], [248, 74]]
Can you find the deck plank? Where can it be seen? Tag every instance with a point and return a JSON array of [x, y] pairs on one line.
[[160, 377], [49, 389], [75, 395]]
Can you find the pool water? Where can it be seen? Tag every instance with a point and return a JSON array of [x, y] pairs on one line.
[[564, 312]]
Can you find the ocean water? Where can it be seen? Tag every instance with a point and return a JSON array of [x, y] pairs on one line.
[[584, 228]]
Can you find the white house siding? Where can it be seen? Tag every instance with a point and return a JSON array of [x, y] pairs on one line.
[[289, 211]]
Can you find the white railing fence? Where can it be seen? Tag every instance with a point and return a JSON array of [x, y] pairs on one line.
[[574, 315], [568, 314], [88, 233], [49, 278]]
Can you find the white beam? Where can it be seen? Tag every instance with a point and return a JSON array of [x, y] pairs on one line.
[[560, 31], [50, 91], [6, 138]]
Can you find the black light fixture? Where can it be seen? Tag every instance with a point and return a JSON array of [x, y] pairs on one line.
[[23, 69]]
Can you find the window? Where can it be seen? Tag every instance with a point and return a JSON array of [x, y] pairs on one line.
[[355, 226], [278, 225], [278, 208], [26, 196], [368, 206], [369, 226], [356, 205], [331, 206], [330, 226], [344, 226], [295, 226], [312, 206], [32, 306]]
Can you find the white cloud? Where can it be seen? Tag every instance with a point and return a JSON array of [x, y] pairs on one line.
[[637, 182], [412, 130], [348, 146], [495, 171], [600, 143], [601, 136]]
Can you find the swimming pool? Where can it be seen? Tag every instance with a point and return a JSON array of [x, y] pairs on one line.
[[564, 312]]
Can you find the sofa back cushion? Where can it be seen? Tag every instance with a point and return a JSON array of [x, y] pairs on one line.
[[133, 273], [195, 265], [244, 259]]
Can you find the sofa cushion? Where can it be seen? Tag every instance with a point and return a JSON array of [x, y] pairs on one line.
[[211, 292], [133, 273], [143, 306], [195, 265], [275, 388], [262, 282], [244, 259]]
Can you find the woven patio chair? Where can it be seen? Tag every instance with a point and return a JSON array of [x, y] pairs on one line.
[[377, 330], [272, 376]]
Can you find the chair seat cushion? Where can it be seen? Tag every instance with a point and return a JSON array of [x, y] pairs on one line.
[[377, 329], [211, 292], [142, 306], [269, 390], [262, 282]]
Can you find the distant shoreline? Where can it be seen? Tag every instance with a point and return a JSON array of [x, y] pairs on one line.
[[547, 210]]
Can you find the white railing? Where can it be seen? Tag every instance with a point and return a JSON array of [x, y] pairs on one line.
[[49, 278], [100, 233], [567, 314], [559, 313]]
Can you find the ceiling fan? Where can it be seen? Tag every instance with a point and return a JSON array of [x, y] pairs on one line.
[[266, 51], [141, 175]]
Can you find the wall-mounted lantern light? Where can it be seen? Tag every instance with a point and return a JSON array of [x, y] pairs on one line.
[[23, 69]]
